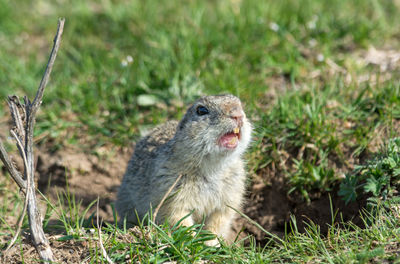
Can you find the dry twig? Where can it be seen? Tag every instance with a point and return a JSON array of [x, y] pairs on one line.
[[21, 218], [165, 197], [103, 250], [23, 116], [15, 174]]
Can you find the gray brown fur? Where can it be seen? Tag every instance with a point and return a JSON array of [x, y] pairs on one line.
[[213, 177]]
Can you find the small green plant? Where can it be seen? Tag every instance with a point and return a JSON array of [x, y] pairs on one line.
[[379, 178], [308, 176]]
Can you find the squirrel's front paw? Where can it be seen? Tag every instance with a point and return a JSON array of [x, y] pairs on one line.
[[213, 243]]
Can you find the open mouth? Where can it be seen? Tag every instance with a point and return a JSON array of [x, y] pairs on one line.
[[231, 139]]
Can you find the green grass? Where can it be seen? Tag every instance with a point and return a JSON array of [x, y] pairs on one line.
[[309, 133], [377, 241], [298, 66]]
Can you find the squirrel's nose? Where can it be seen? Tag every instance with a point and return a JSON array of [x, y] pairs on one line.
[[237, 115]]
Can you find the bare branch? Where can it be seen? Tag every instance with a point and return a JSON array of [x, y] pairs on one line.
[[23, 133], [165, 197], [35, 222], [21, 218], [15, 174], [32, 108], [21, 149], [15, 105], [56, 44]]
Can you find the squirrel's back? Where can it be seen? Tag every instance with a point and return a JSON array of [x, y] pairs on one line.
[[134, 191]]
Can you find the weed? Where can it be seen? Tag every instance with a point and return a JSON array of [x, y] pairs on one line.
[[378, 178]]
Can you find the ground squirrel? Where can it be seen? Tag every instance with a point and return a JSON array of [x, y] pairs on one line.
[[205, 147]]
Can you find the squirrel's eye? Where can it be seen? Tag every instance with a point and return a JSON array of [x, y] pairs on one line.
[[202, 110]]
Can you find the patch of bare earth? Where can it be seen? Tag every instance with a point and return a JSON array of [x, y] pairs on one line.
[[84, 175], [70, 251], [271, 206]]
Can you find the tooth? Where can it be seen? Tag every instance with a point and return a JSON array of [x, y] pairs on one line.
[[236, 130], [233, 140]]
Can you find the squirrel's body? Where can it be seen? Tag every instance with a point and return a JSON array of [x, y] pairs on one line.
[[207, 153]]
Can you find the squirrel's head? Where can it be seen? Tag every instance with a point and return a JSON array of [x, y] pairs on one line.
[[215, 124]]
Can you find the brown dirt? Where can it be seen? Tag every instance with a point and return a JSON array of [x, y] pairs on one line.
[[270, 206], [273, 207], [87, 175], [69, 251]]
